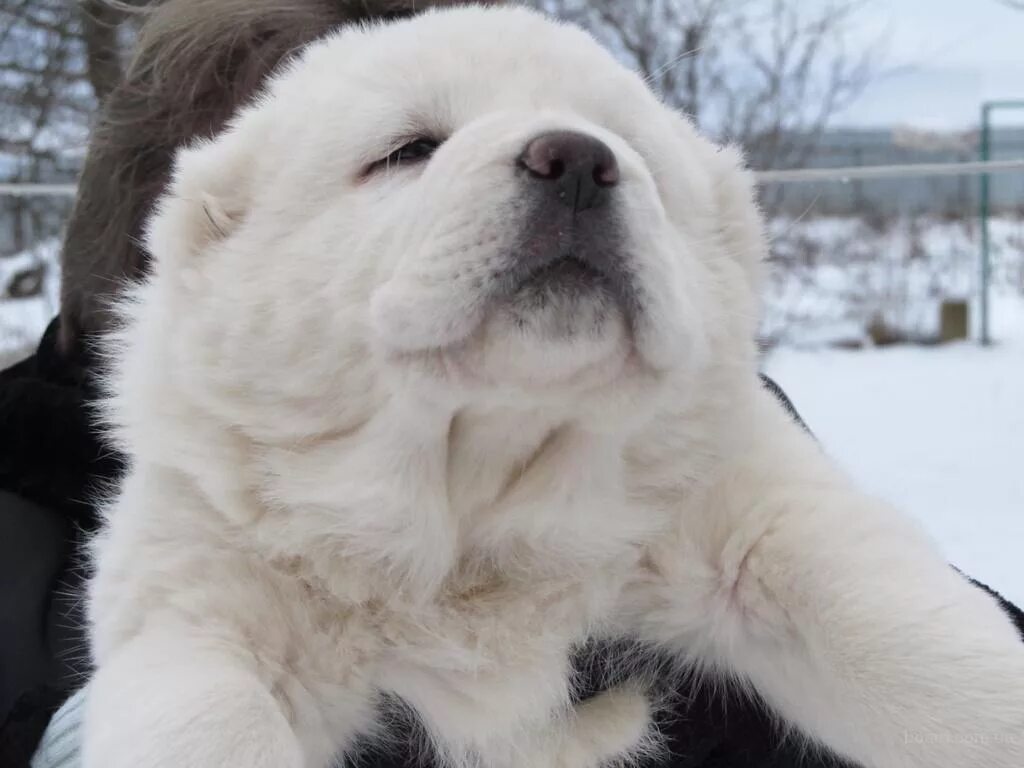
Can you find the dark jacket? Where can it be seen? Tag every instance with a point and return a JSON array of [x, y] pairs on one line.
[[51, 462], [50, 458]]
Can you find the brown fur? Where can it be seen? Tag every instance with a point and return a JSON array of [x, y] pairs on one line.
[[195, 62]]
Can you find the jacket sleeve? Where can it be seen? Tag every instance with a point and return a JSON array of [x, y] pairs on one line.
[[34, 546]]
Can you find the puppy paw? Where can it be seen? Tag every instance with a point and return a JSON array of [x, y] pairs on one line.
[[614, 726]]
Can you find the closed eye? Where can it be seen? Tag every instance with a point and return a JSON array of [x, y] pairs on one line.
[[413, 152]]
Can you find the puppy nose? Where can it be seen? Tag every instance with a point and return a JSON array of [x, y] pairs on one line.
[[576, 168]]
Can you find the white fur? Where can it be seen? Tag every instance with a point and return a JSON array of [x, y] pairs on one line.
[[352, 476]]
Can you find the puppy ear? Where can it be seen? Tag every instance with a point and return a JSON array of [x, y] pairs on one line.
[[740, 222], [206, 202]]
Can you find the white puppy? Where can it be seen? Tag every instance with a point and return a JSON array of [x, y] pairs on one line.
[[446, 365]]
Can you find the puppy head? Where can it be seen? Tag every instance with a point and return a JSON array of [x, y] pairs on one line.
[[474, 206]]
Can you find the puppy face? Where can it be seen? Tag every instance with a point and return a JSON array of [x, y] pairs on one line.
[[473, 207]]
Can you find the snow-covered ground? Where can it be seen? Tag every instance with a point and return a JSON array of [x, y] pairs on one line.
[[938, 431]]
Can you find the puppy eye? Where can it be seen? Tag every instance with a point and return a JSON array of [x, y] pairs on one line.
[[415, 151]]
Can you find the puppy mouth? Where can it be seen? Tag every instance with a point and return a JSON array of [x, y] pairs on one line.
[[562, 289], [568, 296], [567, 279], [567, 274]]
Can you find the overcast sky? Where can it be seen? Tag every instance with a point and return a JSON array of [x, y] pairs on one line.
[[944, 57]]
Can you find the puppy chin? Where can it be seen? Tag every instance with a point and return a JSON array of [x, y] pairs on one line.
[[533, 340], [546, 349]]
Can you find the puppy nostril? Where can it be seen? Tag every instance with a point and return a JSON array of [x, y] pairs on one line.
[[607, 175], [543, 161]]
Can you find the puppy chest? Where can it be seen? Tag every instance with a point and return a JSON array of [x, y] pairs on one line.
[[490, 655], [486, 657]]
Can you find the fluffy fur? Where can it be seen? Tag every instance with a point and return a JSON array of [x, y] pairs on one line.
[[359, 472]]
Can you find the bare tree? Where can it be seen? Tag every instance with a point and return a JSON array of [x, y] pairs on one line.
[[43, 107], [662, 39], [42, 73], [58, 59], [767, 74]]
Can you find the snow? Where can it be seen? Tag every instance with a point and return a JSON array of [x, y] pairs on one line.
[[937, 431], [22, 320]]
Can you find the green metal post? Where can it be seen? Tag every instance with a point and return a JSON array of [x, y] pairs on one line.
[[983, 205]]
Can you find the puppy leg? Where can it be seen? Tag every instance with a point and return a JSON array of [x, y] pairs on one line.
[[614, 725], [612, 728], [167, 701], [839, 612]]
